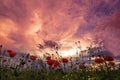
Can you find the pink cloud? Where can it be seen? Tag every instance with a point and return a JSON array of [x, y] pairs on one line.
[[110, 33], [24, 24]]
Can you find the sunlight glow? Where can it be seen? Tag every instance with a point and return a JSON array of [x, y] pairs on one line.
[[66, 53], [67, 50], [72, 52]]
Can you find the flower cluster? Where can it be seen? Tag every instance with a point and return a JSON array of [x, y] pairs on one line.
[[106, 58], [99, 60], [55, 63], [52, 62]]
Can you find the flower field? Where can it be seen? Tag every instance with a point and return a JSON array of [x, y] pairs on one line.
[[32, 67]]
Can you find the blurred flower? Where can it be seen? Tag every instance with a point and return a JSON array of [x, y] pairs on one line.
[[4, 60], [111, 63], [108, 58], [33, 57], [99, 60], [50, 62], [0, 48], [48, 58], [64, 60], [11, 53], [56, 64], [29, 60]]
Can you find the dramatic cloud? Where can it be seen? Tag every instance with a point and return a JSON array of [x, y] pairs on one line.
[[26, 23], [109, 32]]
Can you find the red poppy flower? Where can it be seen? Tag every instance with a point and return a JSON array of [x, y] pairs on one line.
[[99, 60], [11, 53], [64, 60], [56, 64], [50, 62], [4, 60], [48, 58], [33, 57], [111, 63], [108, 58]]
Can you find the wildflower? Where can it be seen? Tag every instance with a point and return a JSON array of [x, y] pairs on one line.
[[108, 58], [48, 58], [11, 53], [99, 60], [56, 64], [64, 60], [111, 63], [4, 60], [0, 49], [29, 60], [0, 46], [33, 57], [50, 62]]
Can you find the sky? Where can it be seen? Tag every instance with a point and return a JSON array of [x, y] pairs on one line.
[[26, 23]]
